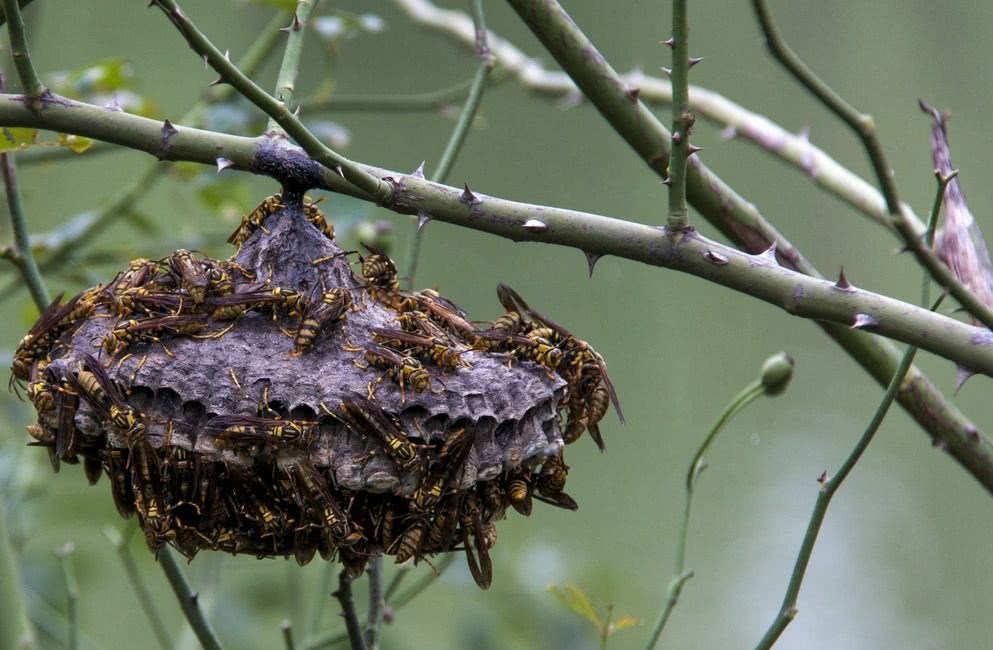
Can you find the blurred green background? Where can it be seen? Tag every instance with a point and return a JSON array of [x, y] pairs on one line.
[[902, 558]]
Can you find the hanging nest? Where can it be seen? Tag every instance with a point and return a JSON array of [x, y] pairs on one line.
[[277, 404]]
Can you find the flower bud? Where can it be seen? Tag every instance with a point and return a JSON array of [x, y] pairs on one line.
[[776, 373]]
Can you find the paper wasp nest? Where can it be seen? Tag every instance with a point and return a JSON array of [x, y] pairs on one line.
[[277, 403]]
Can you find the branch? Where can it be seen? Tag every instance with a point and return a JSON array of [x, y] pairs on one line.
[[188, 600], [19, 52], [457, 139], [596, 235], [740, 221], [275, 109], [344, 596], [374, 624], [865, 129], [682, 119], [21, 255], [286, 81]]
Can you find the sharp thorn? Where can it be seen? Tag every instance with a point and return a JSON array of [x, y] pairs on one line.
[[419, 172], [667, 71], [692, 149], [224, 163], [632, 93], [591, 260], [962, 375], [216, 82], [422, 220], [843, 284], [670, 42], [693, 60], [769, 254], [341, 172], [468, 197], [865, 322], [535, 225], [667, 180]]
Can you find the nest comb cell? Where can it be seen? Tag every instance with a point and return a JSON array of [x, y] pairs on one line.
[[276, 403]]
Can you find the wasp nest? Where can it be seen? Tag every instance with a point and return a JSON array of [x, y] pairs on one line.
[[275, 403]]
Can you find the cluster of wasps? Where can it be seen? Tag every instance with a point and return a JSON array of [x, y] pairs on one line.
[[257, 485]]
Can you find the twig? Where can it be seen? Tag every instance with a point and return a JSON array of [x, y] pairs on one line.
[[188, 600], [317, 150], [64, 554], [374, 626], [287, 629], [344, 596], [737, 219], [288, 70], [426, 101], [830, 485], [21, 55], [15, 630], [459, 133], [20, 3], [865, 129], [21, 255], [776, 374], [120, 544], [682, 119]]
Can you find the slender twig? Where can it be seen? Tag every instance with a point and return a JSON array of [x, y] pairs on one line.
[[317, 150], [865, 129], [188, 600], [681, 574], [287, 629], [735, 217], [19, 52], [289, 68], [344, 596], [319, 601], [459, 133], [15, 629], [427, 101], [374, 625], [3, 14], [64, 554], [120, 544], [682, 119], [830, 485], [21, 255]]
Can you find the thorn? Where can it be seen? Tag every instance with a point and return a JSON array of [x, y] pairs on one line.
[[168, 130], [843, 284], [468, 197], [822, 479], [422, 220], [114, 104], [769, 254], [224, 163], [534, 225], [865, 322], [962, 375], [669, 42], [667, 71], [341, 172], [692, 149], [591, 260], [227, 55], [292, 27], [632, 93], [716, 258], [693, 60], [216, 82], [677, 137], [667, 180], [296, 111], [419, 172], [972, 432]]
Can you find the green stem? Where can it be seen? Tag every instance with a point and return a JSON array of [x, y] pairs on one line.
[[64, 554], [682, 119], [865, 129], [188, 600], [3, 14], [287, 629], [134, 577], [344, 596], [427, 101], [21, 55], [681, 574], [459, 133], [288, 70], [317, 150], [15, 630], [374, 626], [23, 257]]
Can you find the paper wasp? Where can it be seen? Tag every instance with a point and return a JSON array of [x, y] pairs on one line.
[[339, 530], [130, 331], [93, 381], [431, 346], [405, 369], [382, 281], [42, 335], [519, 490], [474, 536], [451, 459], [248, 430], [446, 313], [254, 219], [192, 274], [550, 483], [333, 306], [368, 419]]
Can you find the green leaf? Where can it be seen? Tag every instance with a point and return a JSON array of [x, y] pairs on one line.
[[623, 623], [77, 143], [576, 599], [14, 138]]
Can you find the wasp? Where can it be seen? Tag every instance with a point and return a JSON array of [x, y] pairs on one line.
[[519, 490], [147, 492], [476, 541], [368, 419], [494, 499], [44, 437], [36, 343], [66, 401], [93, 381], [242, 430], [39, 390], [254, 219], [316, 218], [446, 313], [332, 307], [451, 459], [550, 483], [116, 461], [192, 274], [140, 272], [405, 369], [340, 531], [445, 524], [527, 348], [431, 346], [380, 275], [130, 331]]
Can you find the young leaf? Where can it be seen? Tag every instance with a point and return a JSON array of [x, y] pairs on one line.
[[576, 599], [12, 139]]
